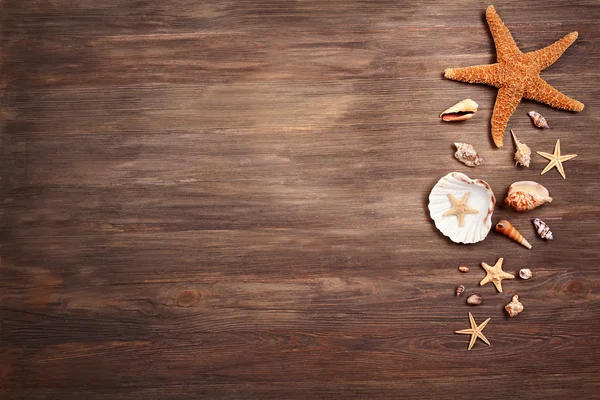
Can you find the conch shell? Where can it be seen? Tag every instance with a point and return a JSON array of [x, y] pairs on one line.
[[542, 229], [507, 229], [527, 195], [460, 111], [466, 154], [514, 307], [538, 120], [523, 154]]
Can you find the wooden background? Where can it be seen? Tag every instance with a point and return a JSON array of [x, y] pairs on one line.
[[227, 200]]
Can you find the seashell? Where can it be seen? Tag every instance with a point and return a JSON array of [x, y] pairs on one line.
[[474, 299], [542, 229], [527, 195], [525, 273], [464, 268], [538, 120], [507, 229], [523, 153], [514, 307], [481, 198], [466, 154], [459, 290], [460, 111]]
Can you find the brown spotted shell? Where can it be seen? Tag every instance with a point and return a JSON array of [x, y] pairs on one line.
[[527, 195]]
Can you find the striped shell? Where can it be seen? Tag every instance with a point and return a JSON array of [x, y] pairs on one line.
[[538, 120], [476, 226], [542, 229]]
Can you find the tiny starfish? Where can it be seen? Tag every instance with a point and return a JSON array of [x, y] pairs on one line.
[[460, 208], [475, 331], [495, 274], [556, 160], [516, 75]]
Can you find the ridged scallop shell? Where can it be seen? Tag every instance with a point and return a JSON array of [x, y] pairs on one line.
[[476, 226], [460, 111], [527, 195]]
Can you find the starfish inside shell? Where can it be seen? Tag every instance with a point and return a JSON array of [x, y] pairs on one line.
[[516, 75], [460, 208]]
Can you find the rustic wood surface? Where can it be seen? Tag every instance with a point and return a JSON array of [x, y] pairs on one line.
[[227, 199]]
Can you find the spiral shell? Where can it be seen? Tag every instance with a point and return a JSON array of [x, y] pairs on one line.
[[460, 111], [523, 153], [525, 273], [542, 229], [460, 289], [538, 120], [466, 154], [507, 229], [527, 195]]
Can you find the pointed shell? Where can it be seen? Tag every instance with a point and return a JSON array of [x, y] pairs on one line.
[[507, 229], [538, 120], [527, 195], [542, 229], [476, 226], [523, 153], [466, 154], [460, 111]]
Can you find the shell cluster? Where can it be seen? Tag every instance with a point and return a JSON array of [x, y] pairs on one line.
[[460, 111], [527, 195], [466, 154], [481, 198]]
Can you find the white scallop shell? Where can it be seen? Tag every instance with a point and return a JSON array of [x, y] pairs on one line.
[[476, 226]]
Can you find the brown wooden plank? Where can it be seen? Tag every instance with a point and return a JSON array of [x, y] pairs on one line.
[[229, 200]]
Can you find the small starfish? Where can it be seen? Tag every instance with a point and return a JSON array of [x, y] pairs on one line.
[[516, 75], [460, 208], [475, 331], [495, 274], [556, 160]]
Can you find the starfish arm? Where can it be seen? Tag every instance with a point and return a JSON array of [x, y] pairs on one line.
[[561, 170], [472, 341], [482, 337], [485, 281], [507, 101], [546, 155], [488, 74], [465, 331], [483, 324], [547, 56], [498, 285], [506, 275], [506, 48], [472, 322], [567, 157], [542, 91], [548, 167]]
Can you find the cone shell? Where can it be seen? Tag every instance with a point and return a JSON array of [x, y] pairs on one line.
[[527, 195], [476, 226], [538, 120], [507, 229], [460, 111], [542, 229], [523, 153]]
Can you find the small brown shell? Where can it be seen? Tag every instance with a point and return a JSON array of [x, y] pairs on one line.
[[507, 229], [514, 307], [460, 290], [474, 299], [538, 120], [464, 268], [527, 195], [460, 111]]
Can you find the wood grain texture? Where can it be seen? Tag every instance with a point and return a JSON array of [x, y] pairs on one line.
[[228, 199]]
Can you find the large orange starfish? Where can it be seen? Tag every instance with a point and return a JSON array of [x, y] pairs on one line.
[[516, 75]]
